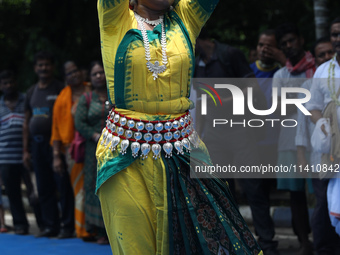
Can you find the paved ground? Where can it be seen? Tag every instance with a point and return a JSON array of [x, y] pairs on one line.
[[288, 244]]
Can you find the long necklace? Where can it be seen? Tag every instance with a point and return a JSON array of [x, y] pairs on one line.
[[154, 68], [331, 75]]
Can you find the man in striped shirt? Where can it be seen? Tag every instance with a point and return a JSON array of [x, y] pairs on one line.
[[11, 167]]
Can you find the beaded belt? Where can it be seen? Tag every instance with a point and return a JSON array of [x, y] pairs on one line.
[[146, 136]]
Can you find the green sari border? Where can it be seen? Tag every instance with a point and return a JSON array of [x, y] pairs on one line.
[[176, 170], [112, 167], [175, 16], [119, 69], [169, 198], [134, 35], [198, 230]]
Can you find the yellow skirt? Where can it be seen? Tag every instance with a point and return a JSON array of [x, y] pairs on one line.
[[136, 199], [156, 207]]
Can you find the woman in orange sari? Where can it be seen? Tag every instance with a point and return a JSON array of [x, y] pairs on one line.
[[62, 136]]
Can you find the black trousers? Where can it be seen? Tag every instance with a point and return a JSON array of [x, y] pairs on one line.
[[52, 186], [257, 192], [326, 241], [12, 176]]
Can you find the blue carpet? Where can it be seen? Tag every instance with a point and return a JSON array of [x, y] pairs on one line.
[[11, 244]]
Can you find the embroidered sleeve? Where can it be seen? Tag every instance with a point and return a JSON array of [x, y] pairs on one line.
[[194, 14], [114, 21]]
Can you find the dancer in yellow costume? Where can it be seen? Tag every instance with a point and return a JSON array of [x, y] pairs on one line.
[[150, 204]]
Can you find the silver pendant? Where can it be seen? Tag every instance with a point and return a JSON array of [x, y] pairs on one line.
[[175, 124], [157, 137], [168, 136], [155, 68], [177, 135], [159, 127], [179, 147], [104, 137], [168, 125], [123, 121], [194, 139], [108, 139], [128, 134], [114, 143], [112, 128], [138, 136], [167, 147], [123, 146], [116, 118], [149, 126], [182, 122], [148, 137], [131, 123], [120, 131], [156, 149], [186, 144], [135, 146], [139, 126], [145, 149], [188, 130]]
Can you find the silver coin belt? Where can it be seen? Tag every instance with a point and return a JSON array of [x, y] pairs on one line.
[[145, 136]]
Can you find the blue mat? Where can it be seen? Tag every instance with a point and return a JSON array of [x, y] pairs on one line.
[[11, 244]]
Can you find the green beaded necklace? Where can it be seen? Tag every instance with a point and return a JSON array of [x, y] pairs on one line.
[[331, 76]]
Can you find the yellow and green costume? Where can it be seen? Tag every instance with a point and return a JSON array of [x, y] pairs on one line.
[[153, 206]]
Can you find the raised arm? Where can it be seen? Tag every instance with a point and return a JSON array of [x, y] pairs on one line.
[[111, 12], [114, 21], [194, 14]]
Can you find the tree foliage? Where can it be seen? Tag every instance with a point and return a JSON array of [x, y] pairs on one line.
[[70, 28], [67, 28], [321, 17]]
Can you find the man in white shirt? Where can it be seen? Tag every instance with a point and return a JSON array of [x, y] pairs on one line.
[[300, 66], [325, 239]]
